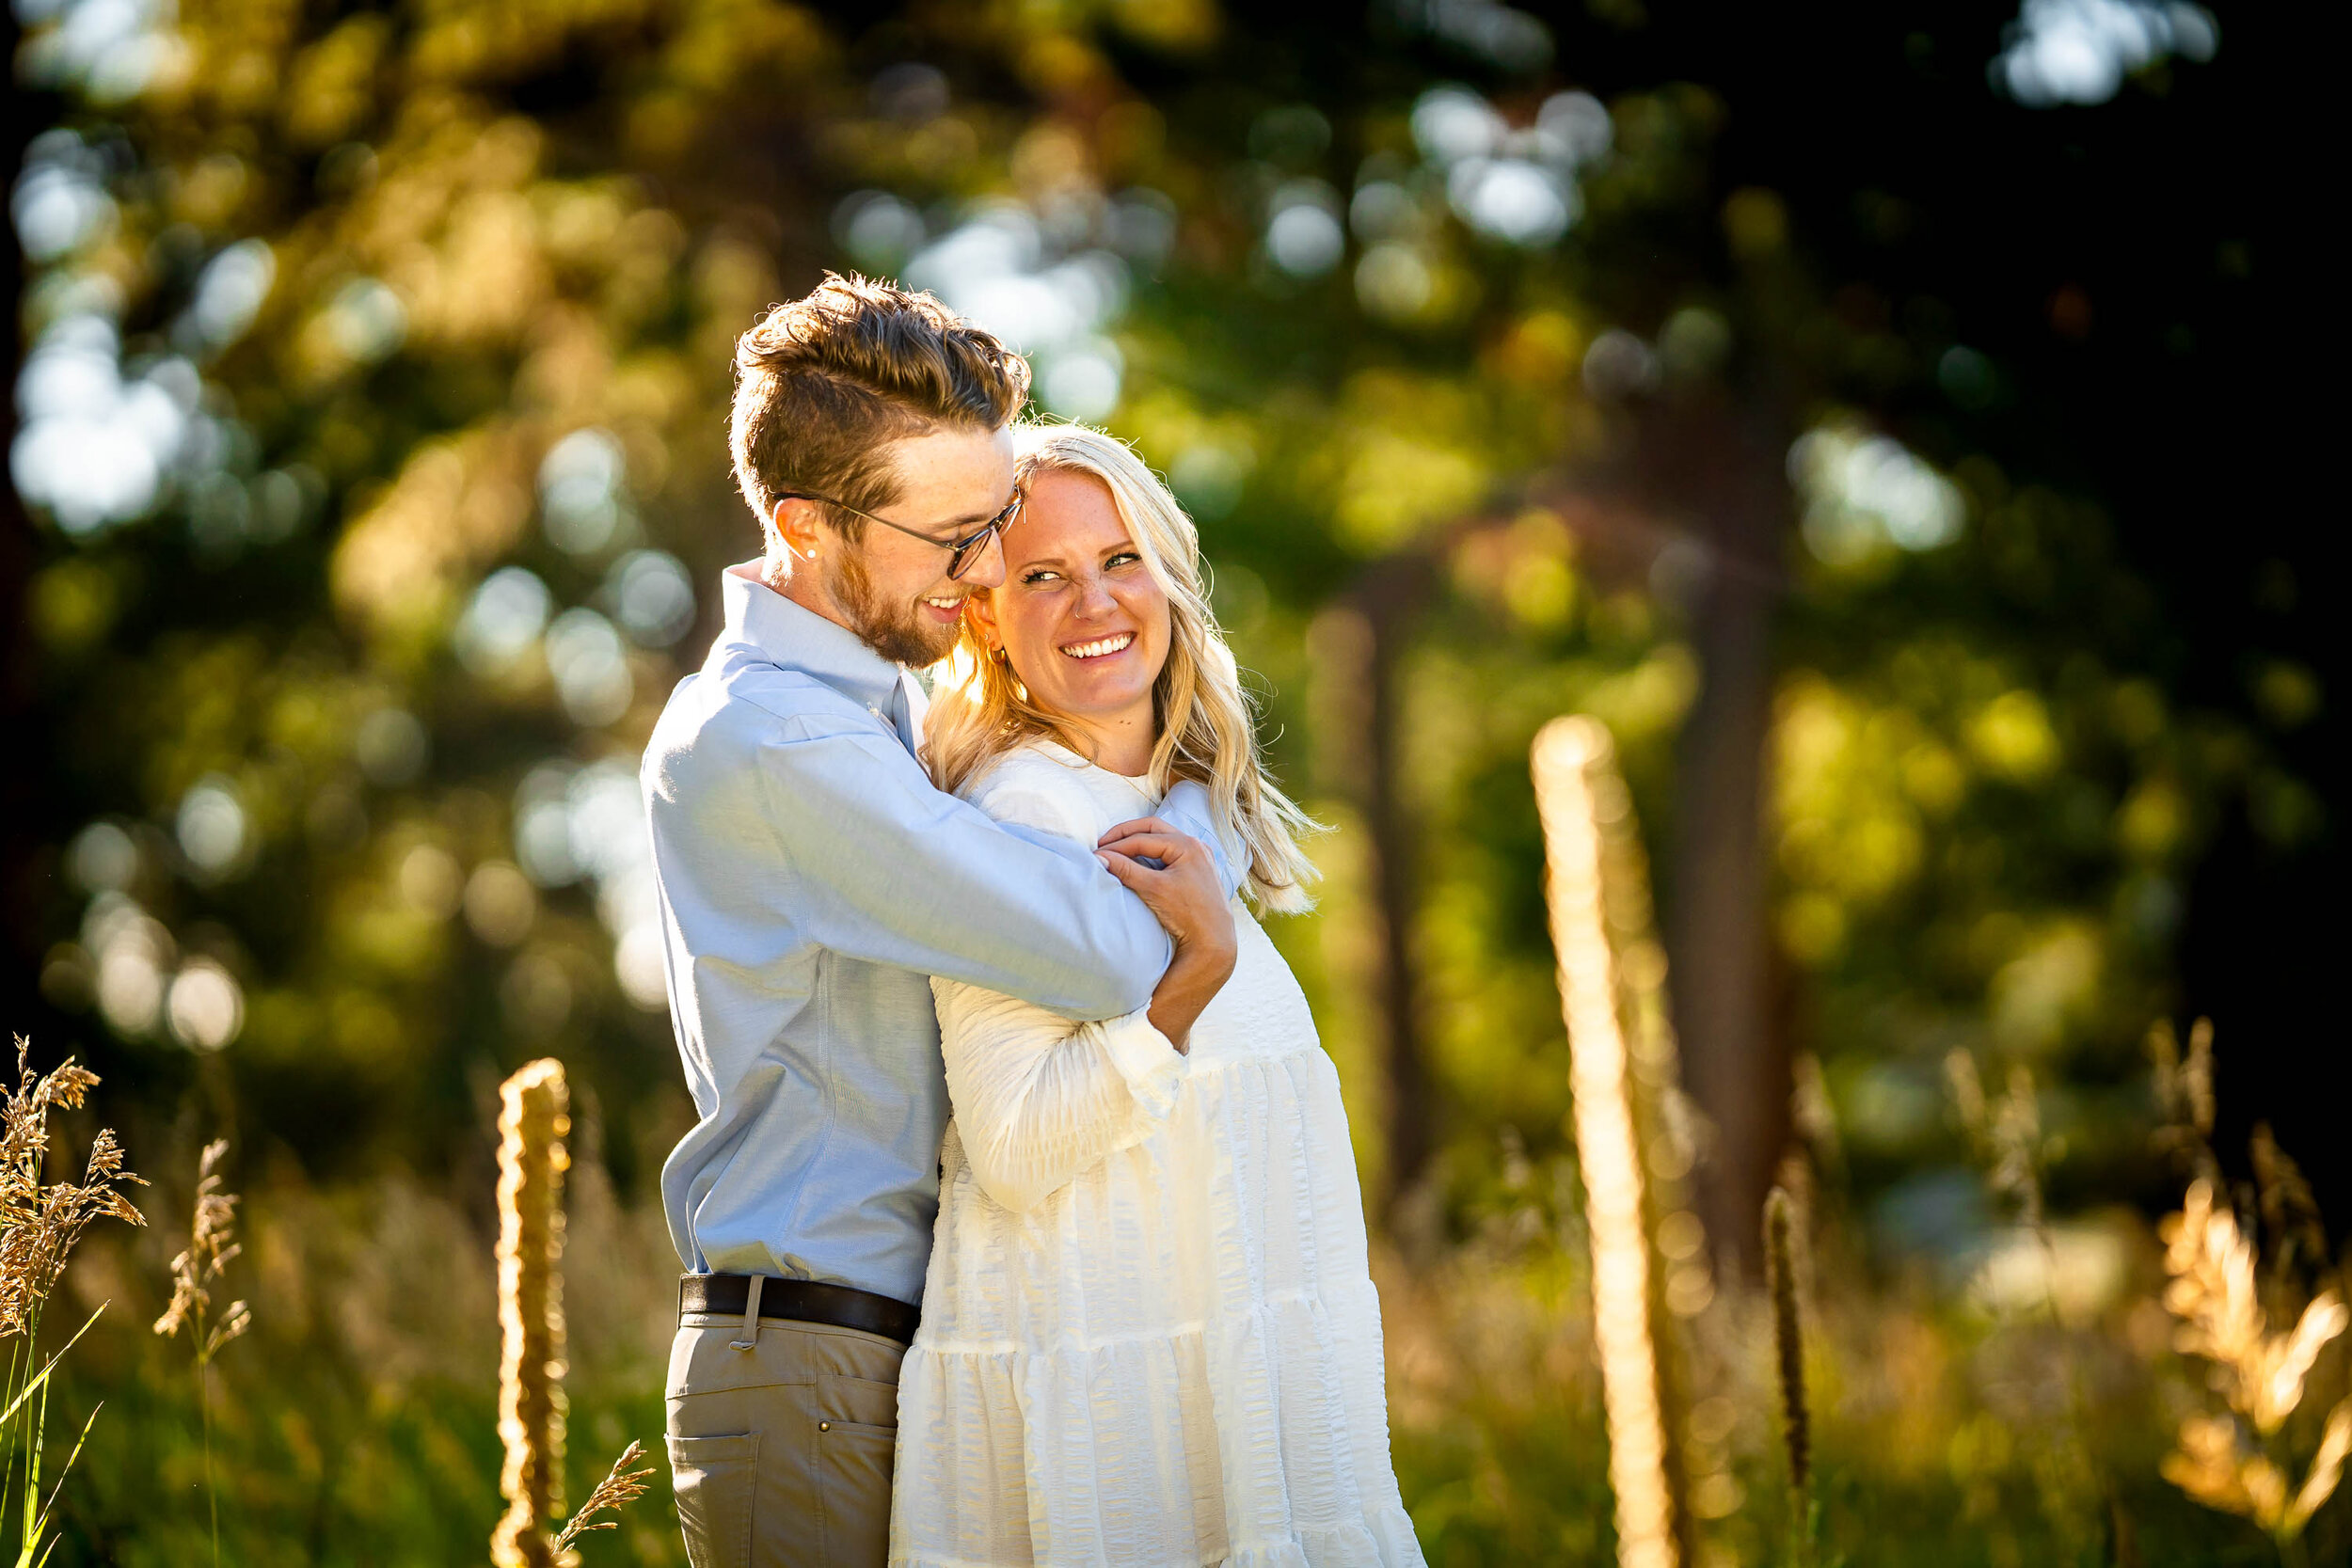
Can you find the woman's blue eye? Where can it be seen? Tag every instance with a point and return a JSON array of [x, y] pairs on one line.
[[1124, 558], [1036, 576]]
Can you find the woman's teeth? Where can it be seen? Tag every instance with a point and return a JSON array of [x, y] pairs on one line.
[[1097, 649]]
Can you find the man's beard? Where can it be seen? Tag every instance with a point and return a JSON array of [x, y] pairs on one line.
[[897, 632]]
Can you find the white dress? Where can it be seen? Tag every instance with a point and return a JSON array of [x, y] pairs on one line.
[[1150, 1336]]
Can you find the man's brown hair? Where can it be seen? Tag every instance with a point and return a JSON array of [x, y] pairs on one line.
[[824, 383]]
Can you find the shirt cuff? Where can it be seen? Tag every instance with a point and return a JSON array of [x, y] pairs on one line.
[[1186, 809], [1153, 1069]]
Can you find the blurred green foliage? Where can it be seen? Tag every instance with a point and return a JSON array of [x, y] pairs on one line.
[[430, 309], [374, 390]]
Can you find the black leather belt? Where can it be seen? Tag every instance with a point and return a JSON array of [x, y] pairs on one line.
[[801, 1301]]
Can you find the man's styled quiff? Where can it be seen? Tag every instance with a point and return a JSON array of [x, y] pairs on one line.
[[823, 385]]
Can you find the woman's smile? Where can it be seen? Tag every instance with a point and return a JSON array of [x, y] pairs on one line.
[[1101, 647]]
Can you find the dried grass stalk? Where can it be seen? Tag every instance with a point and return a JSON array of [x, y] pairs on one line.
[[40, 1223], [213, 1245], [534, 1120], [2289, 1209], [2196, 1079], [2260, 1374], [2006, 1132], [621, 1486], [1580, 798], [1780, 1267], [2184, 1098]]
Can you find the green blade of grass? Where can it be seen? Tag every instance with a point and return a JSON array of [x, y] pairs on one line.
[[40, 1379]]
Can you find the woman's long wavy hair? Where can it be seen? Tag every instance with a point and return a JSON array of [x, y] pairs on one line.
[[1207, 723]]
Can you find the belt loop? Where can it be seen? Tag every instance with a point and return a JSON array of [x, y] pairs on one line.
[[751, 1316]]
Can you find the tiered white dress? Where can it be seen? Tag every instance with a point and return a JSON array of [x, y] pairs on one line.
[[1150, 1336]]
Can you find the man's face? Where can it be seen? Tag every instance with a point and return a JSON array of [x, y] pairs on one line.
[[893, 591]]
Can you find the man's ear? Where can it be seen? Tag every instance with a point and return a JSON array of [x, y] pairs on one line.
[[796, 523]]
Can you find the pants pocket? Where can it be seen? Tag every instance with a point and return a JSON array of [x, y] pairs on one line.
[[853, 1465], [717, 1481], [859, 1401]]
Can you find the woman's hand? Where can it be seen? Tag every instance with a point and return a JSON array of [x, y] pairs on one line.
[[1184, 896]]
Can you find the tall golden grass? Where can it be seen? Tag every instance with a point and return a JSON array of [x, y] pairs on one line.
[[1796, 1422], [1584, 803], [212, 1247], [2235, 1462], [40, 1222], [623, 1484], [2241, 1461], [534, 1120]]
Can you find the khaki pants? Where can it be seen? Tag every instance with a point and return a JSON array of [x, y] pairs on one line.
[[782, 1453]]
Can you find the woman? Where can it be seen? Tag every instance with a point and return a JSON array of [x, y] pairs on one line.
[[1150, 1335]]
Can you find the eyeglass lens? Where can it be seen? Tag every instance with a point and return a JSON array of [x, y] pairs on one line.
[[969, 551]]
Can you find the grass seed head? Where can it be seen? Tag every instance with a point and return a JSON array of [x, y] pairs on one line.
[[213, 1245], [1780, 1266], [2261, 1374], [40, 1222], [2184, 1101], [2289, 1209], [623, 1484], [2197, 1078], [534, 1120], [2327, 1468], [1959, 1071]]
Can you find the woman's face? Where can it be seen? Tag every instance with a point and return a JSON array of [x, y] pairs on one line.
[[1080, 616]]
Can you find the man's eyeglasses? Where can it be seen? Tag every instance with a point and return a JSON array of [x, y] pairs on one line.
[[960, 552]]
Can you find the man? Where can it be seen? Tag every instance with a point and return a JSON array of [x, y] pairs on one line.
[[812, 880]]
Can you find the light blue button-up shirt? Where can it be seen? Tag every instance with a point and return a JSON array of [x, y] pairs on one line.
[[812, 881]]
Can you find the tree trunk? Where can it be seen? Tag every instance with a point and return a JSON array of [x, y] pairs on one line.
[[23, 895], [1735, 1058], [1358, 645]]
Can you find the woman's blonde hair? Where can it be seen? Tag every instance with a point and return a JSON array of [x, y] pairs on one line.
[[1207, 723]]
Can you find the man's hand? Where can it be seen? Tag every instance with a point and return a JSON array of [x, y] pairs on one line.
[[1185, 896]]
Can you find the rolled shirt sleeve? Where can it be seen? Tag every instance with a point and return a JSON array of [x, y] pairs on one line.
[[1187, 808]]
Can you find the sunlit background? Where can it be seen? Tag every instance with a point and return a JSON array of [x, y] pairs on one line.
[[1900, 426]]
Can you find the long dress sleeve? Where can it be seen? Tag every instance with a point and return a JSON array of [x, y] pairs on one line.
[[1038, 1100]]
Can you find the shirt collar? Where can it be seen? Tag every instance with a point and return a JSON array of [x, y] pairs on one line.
[[802, 640]]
